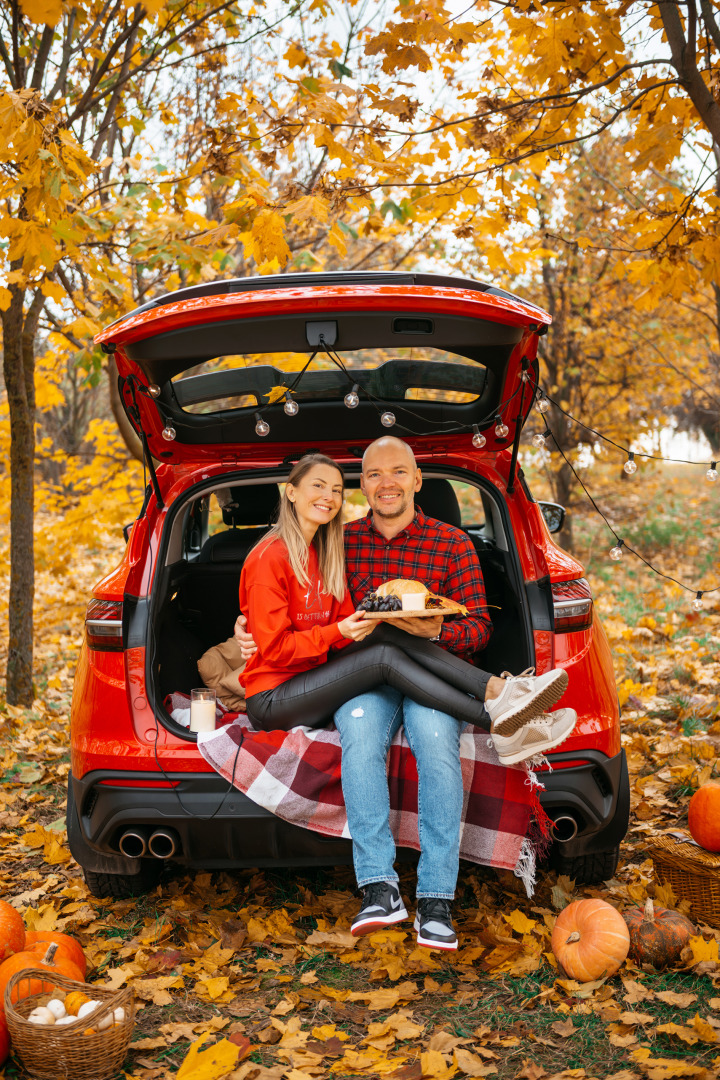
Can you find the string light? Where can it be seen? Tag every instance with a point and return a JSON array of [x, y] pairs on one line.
[[543, 403], [169, 433], [501, 429], [478, 439], [261, 426], [291, 407], [698, 601], [352, 399], [540, 440], [712, 474], [630, 465], [387, 419], [154, 390], [616, 552]]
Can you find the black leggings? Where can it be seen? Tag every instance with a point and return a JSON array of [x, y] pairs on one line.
[[419, 669]]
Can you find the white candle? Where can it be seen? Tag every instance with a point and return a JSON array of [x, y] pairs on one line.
[[202, 711]]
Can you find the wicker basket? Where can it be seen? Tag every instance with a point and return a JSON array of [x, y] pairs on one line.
[[693, 873], [66, 1052]]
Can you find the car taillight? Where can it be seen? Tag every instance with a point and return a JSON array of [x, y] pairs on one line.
[[103, 625], [572, 605]]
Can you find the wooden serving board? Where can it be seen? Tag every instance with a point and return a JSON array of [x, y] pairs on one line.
[[448, 608]]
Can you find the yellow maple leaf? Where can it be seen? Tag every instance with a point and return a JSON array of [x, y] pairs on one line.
[[42, 11], [211, 1064], [519, 922], [433, 1064], [703, 950], [267, 238]]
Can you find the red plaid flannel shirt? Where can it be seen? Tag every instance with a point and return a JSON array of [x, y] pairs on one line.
[[439, 555]]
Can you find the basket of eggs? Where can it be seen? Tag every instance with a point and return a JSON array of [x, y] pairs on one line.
[[62, 1028], [692, 866]]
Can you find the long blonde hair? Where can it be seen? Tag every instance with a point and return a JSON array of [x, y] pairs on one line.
[[328, 540]]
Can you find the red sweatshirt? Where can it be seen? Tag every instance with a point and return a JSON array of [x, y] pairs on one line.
[[293, 625]]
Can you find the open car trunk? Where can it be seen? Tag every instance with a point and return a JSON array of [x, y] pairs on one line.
[[195, 600]]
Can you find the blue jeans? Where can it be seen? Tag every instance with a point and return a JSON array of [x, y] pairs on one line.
[[367, 725]]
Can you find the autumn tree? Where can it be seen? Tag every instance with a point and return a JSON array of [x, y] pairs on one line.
[[82, 83]]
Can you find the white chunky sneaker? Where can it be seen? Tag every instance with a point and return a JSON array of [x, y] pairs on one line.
[[541, 733], [523, 697]]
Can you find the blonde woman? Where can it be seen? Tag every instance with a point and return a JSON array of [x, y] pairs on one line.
[[293, 595]]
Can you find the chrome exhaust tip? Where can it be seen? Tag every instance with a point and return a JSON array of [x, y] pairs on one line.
[[565, 828], [133, 844], [163, 844]]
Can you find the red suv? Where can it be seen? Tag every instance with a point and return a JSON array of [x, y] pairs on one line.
[[228, 384]]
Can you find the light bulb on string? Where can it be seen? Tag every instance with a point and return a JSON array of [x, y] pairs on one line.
[[616, 552], [630, 465], [501, 428], [261, 426], [712, 474], [352, 399], [154, 390], [387, 419], [478, 439], [698, 601], [540, 440], [542, 403], [291, 407], [169, 433]]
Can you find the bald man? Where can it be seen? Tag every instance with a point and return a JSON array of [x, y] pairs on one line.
[[396, 539]]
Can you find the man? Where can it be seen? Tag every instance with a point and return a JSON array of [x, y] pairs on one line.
[[397, 540]]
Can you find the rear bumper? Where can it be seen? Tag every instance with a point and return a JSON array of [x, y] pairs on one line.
[[217, 827], [595, 795]]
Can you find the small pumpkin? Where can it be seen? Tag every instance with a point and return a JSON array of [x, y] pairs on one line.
[[69, 946], [590, 940], [74, 1000], [657, 935], [21, 961], [12, 930], [704, 816]]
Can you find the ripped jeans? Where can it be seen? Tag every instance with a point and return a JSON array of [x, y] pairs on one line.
[[367, 725]]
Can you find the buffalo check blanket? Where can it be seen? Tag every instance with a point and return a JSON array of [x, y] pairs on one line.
[[296, 775]]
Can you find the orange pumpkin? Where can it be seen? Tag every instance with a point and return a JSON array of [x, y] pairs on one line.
[[12, 930], [4, 1038], [657, 935], [22, 960], [69, 947], [74, 1000], [704, 816], [590, 940]]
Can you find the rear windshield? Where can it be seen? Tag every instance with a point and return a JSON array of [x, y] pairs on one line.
[[412, 373]]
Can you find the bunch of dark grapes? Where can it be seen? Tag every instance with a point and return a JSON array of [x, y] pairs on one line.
[[373, 602]]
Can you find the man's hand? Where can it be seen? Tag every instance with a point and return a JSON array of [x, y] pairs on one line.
[[427, 628], [243, 638]]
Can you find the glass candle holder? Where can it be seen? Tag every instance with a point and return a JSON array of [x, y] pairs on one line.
[[202, 709]]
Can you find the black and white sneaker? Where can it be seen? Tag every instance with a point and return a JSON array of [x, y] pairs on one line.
[[434, 924], [382, 906]]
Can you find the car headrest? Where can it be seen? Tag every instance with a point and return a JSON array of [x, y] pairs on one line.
[[437, 499], [254, 504]]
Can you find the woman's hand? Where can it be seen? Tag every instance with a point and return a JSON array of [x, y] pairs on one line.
[[356, 627]]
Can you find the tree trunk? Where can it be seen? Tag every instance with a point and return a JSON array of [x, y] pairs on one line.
[[19, 369], [562, 482]]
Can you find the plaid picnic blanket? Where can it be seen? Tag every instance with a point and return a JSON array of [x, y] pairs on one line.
[[296, 775]]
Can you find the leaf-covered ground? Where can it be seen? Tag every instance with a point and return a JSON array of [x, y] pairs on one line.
[[261, 964]]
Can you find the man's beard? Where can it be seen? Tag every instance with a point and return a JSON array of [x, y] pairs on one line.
[[384, 512]]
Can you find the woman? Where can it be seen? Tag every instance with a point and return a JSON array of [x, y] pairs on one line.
[[294, 596]]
